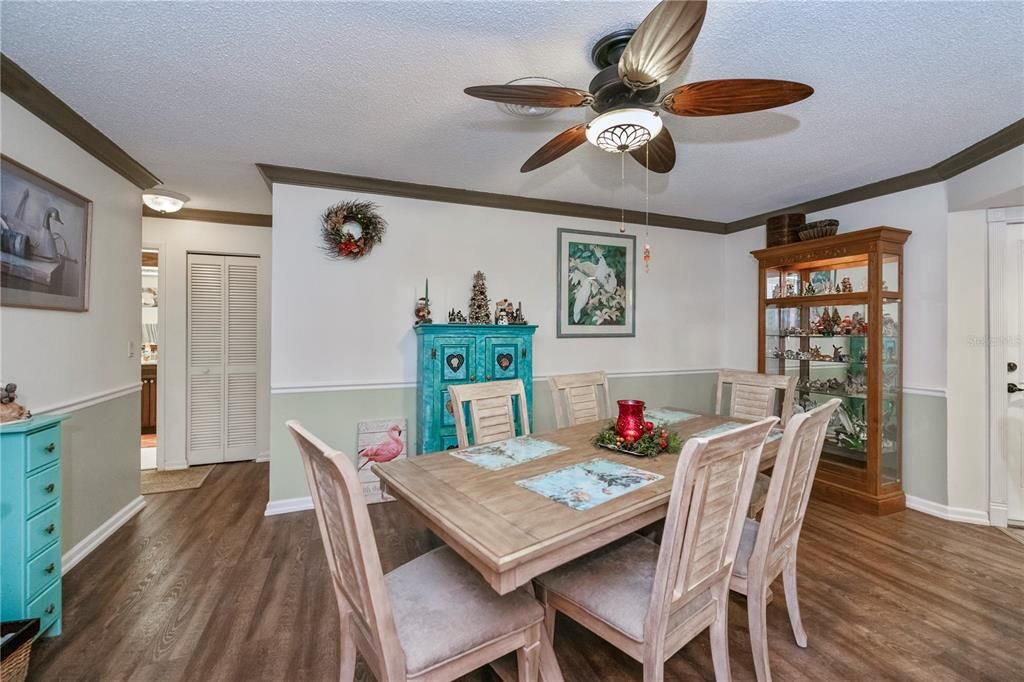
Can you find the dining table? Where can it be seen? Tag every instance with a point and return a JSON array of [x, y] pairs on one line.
[[511, 534]]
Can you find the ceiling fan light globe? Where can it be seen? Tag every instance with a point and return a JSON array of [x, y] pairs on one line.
[[624, 130], [164, 200]]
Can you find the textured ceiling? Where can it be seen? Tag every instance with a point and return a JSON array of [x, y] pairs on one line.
[[199, 92]]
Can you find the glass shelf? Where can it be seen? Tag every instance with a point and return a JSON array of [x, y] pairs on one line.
[[846, 363]]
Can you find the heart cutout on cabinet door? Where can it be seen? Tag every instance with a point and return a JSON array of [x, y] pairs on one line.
[[455, 361], [504, 360]]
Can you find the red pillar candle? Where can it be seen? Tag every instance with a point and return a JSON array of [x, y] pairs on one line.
[[630, 424]]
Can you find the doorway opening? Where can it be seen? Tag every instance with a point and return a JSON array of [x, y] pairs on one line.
[[150, 356]]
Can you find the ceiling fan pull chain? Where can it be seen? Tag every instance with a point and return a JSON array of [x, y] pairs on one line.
[[647, 209], [622, 194]]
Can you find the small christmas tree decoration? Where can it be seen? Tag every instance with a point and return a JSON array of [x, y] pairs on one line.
[[479, 304], [837, 319]]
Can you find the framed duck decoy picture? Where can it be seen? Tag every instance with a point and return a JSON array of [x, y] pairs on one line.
[[45, 235]]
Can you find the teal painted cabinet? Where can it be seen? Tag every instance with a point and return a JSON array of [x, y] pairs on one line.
[[30, 574], [462, 354]]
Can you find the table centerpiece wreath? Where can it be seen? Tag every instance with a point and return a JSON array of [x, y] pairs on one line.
[[654, 441], [351, 229]]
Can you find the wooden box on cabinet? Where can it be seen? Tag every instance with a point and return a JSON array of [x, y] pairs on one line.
[[30, 523], [857, 355], [461, 354]]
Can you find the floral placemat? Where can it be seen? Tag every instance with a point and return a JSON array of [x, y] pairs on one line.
[[584, 486], [715, 430], [663, 415], [507, 453]]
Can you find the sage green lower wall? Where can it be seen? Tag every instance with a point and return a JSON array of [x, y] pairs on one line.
[[924, 447], [99, 465], [332, 415]]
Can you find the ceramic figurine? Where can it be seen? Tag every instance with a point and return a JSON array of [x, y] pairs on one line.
[[456, 317], [776, 291], [889, 326], [10, 410], [846, 286], [518, 317], [791, 289], [422, 310], [809, 289], [837, 354], [846, 325]]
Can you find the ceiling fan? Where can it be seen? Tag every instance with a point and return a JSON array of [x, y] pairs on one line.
[[626, 92]]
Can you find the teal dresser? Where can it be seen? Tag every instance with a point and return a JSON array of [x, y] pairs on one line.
[[30, 584], [462, 354]]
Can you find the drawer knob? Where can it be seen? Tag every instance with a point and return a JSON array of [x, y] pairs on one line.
[[50, 529], [49, 488], [51, 568], [51, 447], [50, 609]]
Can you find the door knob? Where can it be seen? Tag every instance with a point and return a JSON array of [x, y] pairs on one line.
[[1014, 388], [1011, 367]]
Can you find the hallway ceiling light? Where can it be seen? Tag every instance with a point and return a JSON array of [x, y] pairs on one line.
[[164, 200]]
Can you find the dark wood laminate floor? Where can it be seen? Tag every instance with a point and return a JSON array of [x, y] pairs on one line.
[[201, 586]]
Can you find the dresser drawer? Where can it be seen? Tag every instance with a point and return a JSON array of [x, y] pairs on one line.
[[42, 489], [42, 570], [43, 448], [46, 607], [42, 529]]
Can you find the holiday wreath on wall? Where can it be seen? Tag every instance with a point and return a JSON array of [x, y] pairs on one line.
[[350, 229]]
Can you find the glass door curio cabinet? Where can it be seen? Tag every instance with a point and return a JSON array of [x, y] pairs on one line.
[[831, 314]]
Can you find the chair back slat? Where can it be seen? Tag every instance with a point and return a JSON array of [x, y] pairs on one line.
[[792, 478], [491, 411], [351, 550], [580, 398], [710, 493], [753, 396]]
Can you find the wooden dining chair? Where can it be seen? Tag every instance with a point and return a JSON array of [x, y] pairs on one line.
[[753, 396], [490, 410], [579, 398], [769, 547], [433, 618], [649, 601]]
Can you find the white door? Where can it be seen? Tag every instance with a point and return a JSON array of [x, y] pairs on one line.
[[223, 352], [1013, 285], [1006, 355]]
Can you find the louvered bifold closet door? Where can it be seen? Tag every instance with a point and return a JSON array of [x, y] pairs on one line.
[[241, 358], [223, 354], [205, 396]]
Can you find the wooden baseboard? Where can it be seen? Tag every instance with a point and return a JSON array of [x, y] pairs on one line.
[[857, 500]]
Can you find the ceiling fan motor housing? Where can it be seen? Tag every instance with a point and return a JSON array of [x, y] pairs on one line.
[[611, 93]]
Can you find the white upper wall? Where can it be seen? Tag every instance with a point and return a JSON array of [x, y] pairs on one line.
[[996, 183], [350, 322], [175, 239], [59, 358]]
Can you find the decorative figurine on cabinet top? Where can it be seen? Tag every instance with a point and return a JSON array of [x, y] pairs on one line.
[[422, 311], [518, 317], [10, 410], [456, 317]]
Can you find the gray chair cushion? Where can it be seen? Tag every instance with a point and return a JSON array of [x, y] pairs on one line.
[[443, 608], [750, 528], [615, 584]]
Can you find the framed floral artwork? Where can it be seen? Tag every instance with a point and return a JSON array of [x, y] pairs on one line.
[[596, 284]]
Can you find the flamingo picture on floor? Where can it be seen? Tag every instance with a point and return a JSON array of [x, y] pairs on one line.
[[378, 441]]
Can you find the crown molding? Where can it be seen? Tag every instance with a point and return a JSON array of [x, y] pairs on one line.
[[210, 216], [17, 84], [286, 175], [992, 146]]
